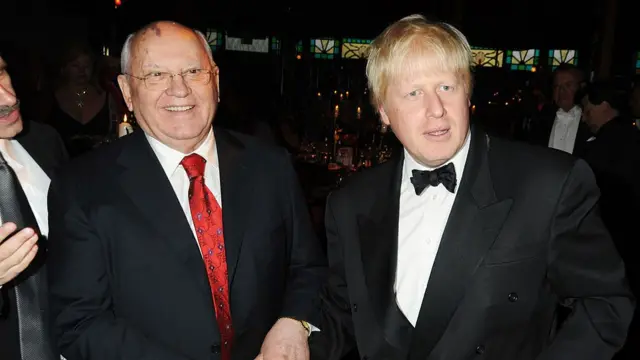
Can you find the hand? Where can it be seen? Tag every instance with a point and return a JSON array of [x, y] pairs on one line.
[[287, 340], [16, 252]]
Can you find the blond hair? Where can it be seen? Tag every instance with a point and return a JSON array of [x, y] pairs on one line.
[[439, 46]]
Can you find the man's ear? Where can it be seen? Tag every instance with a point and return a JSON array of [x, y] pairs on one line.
[[125, 87], [383, 116]]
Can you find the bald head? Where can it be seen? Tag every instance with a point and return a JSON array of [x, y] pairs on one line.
[[159, 30]]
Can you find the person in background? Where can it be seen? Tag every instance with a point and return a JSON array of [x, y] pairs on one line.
[[560, 127], [634, 103], [29, 154], [80, 108], [181, 241], [463, 245], [613, 156]]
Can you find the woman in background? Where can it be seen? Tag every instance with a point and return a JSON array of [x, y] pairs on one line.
[[80, 108]]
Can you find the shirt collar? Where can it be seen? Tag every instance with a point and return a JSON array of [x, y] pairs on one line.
[[9, 154], [170, 158], [575, 112], [458, 160]]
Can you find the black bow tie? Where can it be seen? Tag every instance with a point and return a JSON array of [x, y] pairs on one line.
[[445, 175]]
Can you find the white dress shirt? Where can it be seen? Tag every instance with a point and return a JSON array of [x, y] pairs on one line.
[[170, 161], [34, 181], [422, 221], [565, 129]]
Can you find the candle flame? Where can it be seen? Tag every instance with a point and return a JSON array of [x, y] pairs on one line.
[[124, 119]]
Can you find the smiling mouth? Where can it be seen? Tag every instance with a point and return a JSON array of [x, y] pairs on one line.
[[179, 108], [438, 132]]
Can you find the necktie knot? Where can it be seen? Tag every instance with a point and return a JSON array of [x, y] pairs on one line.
[[194, 165], [445, 175]]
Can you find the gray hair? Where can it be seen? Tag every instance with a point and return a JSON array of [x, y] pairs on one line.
[[125, 55]]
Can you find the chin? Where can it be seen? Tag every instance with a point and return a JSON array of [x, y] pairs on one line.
[[10, 131]]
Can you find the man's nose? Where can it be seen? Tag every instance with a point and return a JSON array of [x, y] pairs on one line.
[[7, 96]]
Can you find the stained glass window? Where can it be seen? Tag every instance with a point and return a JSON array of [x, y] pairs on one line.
[[214, 39], [522, 59], [275, 45], [324, 48], [557, 57], [355, 48], [251, 45], [638, 62], [487, 57], [299, 47]]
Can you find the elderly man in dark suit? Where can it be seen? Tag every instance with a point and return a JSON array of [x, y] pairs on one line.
[[181, 241]]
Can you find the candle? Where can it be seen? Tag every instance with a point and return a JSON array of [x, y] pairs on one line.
[[124, 128], [359, 112], [336, 112]]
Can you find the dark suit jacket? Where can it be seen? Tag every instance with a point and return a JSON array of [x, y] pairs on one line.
[[523, 236], [613, 156], [127, 280], [536, 130], [46, 148]]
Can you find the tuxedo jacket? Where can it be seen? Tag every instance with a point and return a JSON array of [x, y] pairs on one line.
[[45, 146], [127, 280], [523, 238]]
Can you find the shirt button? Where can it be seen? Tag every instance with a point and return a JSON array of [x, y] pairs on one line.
[[479, 349], [513, 297]]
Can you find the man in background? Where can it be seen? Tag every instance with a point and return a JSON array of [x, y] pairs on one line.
[[560, 127]]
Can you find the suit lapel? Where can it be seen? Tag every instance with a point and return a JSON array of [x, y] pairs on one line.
[[236, 195], [378, 235], [475, 220], [148, 187], [581, 139]]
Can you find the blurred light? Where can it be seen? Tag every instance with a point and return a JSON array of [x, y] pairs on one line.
[[298, 56], [335, 91], [319, 94], [534, 69], [118, 3]]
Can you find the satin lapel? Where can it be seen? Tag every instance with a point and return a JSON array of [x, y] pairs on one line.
[[148, 187], [378, 235], [473, 225], [236, 195]]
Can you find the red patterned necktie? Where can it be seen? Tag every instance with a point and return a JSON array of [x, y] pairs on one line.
[[207, 220]]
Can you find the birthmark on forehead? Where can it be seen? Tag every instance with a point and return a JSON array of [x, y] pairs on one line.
[[156, 30]]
